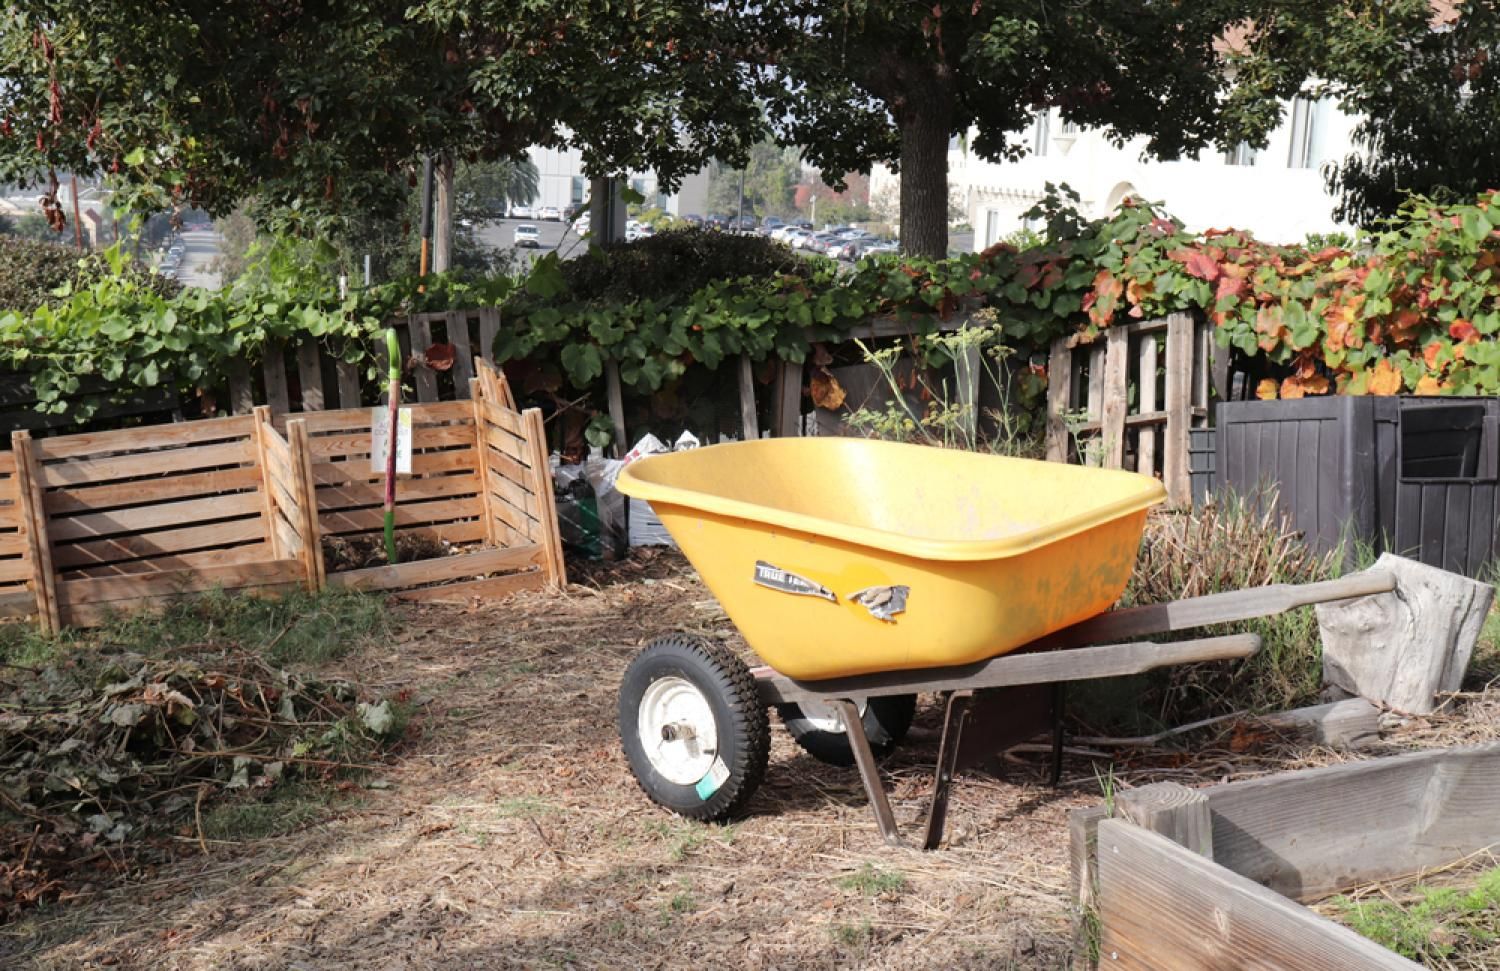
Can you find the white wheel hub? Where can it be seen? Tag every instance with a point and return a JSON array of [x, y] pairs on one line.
[[676, 726], [823, 716]]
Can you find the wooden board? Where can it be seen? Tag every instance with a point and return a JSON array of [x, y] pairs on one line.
[[274, 370], [358, 419], [249, 553], [348, 377], [1311, 833], [95, 614], [159, 543], [1059, 400], [1179, 408], [91, 471], [457, 325], [134, 519], [93, 498], [439, 569], [310, 377], [749, 423], [489, 329], [358, 443], [167, 583], [332, 497], [1165, 908], [421, 339], [342, 522], [1116, 396], [151, 436], [469, 589]]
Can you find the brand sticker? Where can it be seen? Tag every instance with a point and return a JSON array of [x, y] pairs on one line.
[[709, 784], [883, 603], [776, 578]]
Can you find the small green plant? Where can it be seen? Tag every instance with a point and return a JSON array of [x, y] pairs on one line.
[[855, 937], [683, 836], [523, 807], [872, 881], [1444, 924], [287, 809], [682, 902]]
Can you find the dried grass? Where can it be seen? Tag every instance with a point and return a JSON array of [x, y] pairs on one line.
[[513, 835]]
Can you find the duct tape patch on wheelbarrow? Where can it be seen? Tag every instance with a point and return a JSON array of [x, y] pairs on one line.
[[785, 581], [709, 784]]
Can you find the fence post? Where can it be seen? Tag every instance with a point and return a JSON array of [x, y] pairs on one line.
[[1116, 372], [1179, 408], [1059, 399], [34, 522]]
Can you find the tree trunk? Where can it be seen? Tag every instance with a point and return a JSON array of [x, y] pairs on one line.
[[925, 128], [442, 216]]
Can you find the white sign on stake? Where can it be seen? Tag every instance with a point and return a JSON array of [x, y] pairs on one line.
[[380, 439]]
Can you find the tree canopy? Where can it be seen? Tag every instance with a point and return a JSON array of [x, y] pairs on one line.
[[1423, 77], [863, 81]]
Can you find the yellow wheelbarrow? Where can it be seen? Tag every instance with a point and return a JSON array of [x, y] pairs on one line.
[[864, 573]]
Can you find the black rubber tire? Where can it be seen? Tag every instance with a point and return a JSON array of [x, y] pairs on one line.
[[743, 726], [887, 720]]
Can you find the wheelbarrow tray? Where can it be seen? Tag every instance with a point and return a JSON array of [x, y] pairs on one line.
[[838, 557]]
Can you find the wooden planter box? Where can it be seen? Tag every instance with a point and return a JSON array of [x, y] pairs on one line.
[[479, 476], [131, 518], [1211, 878]]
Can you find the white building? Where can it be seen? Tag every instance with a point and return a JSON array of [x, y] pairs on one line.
[[1276, 193], [561, 183]]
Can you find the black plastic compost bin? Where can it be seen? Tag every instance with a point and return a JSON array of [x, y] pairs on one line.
[[1412, 476]]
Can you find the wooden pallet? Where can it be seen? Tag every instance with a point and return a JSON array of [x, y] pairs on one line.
[[479, 476], [19, 580], [134, 517]]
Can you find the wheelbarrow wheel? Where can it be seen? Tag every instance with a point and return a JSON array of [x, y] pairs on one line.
[[819, 728], [693, 727]]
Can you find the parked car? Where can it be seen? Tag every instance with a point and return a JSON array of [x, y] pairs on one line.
[[881, 246], [783, 232], [551, 213], [521, 212], [798, 238], [821, 243], [528, 236]]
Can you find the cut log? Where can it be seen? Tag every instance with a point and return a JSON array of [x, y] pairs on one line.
[[1401, 648], [1353, 723]]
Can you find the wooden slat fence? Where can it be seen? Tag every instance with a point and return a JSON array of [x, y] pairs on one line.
[[1127, 400]]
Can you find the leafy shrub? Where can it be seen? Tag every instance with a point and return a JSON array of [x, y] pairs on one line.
[[677, 262], [34, 269]]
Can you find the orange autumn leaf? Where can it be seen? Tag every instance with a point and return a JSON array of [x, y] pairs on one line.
[[1461, 330], [1291, 388], [1317, 384], [826, 390], [1428, 385], [1430, 353], [1266, 390], [1384, 378]]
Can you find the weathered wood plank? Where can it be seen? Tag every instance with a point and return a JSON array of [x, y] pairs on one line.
[[358, 443], [489, 329], [17, 603], [471, 589], [1165, 908], [749, 423], [1352, 723], [15, 569], [438, 569], [348, 378], [422, 464], [340, 522], [517, 495], [249, 553], [1083, 863], [265, 438], [457, 323], [506, 420], [1043, 667], [87, 498], [94, 525], [38, 534], [492, 532], [615, 401], [1116, 396], [95, 614], [95, 471], [72, 593], [1059, 399], [310, 377], [303, 514], [150, 544], [1173, 810], [421, 339], [1179, 408], [358, 419], [505, 444], [241, 388], [1219, 608], [1146, 382], [350, 496], [274, 370], [152, 436], [789, 399], [541, 486], [1314, 832]]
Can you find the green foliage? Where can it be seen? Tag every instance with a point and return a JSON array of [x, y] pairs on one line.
[[1432, 924], [1434, 133], [34, 270], [124, 331]]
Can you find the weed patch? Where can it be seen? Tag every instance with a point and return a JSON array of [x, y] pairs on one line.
[[872, 881], [1455, 926]]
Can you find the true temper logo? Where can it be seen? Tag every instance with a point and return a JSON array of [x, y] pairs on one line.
[[775, 578]]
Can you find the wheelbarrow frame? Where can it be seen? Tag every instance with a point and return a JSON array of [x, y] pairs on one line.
[[1086, 651]]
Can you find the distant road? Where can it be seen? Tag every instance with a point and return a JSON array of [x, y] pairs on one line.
[[501, 233], [200, 246]]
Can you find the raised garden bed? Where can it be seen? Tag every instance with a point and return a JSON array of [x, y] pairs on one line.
[[1215, 877]]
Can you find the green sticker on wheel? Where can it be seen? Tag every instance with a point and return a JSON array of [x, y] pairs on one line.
[[709, 784]]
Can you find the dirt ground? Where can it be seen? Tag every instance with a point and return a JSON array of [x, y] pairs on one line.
[[507, 831]]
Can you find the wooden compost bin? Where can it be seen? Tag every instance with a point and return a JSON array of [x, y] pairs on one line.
[[131, 518], [479, 476], [18, 576], [1212, 878]]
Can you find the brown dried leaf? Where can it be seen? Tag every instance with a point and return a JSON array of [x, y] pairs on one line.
[[826, 390]]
